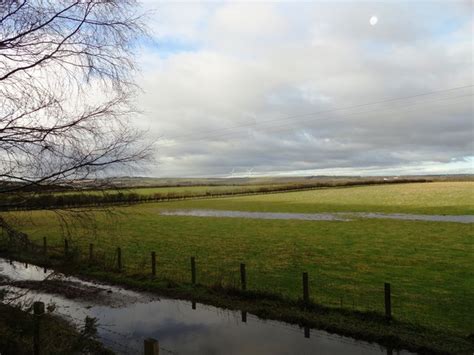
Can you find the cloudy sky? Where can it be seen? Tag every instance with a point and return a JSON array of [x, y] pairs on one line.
[[309, 88]]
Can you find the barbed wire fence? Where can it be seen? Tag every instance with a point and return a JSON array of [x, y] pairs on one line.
[[324, 290]]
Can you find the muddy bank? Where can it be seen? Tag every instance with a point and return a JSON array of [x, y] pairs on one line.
[[18, 278], [56, 335], [68, 289]]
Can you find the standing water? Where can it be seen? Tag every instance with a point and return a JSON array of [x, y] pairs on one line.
[[126, 318], [329, 216]]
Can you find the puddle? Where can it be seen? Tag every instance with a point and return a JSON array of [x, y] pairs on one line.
[[257, 215], [182, 327], [415, 217], [336, 216]]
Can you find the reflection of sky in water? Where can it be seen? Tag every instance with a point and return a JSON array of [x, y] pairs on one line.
[[182, 330], [18, 271], [336, 216], [255, 215]]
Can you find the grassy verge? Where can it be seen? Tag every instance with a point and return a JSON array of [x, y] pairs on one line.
[[56, 335]]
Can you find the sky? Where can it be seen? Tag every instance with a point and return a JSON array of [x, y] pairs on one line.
[[308, 88]]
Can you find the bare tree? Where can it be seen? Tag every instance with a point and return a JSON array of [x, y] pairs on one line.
[[66, 91]]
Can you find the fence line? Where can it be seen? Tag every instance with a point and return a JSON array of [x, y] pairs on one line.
[[117, 264]]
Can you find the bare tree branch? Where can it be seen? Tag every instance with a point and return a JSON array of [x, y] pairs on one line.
[[66, 91]]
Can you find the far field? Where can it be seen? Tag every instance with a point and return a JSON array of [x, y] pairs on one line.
[[429, 264], [454, 198]]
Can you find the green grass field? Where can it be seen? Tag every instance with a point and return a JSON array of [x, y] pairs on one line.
[[429, 264], [427, 198]]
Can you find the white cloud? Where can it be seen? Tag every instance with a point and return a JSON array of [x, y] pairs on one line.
[[219, 103]]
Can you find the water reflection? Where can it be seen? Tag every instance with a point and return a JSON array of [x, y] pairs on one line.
[[336, 216], [255, 215], [123, 326]]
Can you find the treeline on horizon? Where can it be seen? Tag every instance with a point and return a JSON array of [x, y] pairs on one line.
[[51, 200]]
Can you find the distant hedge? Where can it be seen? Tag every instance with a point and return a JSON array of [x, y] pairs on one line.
[[110, 197]]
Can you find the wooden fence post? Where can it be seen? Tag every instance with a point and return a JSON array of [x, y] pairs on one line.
[[91, 253], [10, 240], [306, 332], [193, 270], [153, 263], [388, 301], [243, 277], [305, 288], [119, 259], [38, 311], [151, 347]]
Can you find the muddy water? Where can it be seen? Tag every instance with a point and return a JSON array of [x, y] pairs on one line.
[[337, 216], [126, 318]]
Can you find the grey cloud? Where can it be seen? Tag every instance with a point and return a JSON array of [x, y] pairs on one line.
[[218, 107]]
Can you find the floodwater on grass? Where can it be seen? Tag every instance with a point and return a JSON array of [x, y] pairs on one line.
[[181, 327], [256, 215], [416, 217], [336, 216]]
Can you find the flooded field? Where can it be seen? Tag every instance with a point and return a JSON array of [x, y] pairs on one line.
[[256, 215], [336, 216]]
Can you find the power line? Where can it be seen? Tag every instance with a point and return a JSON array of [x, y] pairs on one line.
[[389, 111], [385, 109], [329, 111]]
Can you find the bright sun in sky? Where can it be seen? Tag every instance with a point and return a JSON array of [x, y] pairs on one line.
[[373, 20]]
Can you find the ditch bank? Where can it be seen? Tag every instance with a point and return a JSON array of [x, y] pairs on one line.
[[125, 318], [198, 317]]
